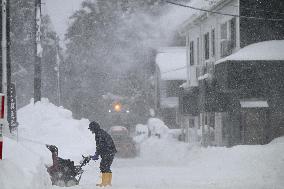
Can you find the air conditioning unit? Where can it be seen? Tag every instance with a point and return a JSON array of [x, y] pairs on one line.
[[199, 71], [226, 48], [210, 67], [193, 76]]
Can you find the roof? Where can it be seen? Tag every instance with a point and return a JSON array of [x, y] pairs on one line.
[[196, 15], [172, 63], [267, 50]]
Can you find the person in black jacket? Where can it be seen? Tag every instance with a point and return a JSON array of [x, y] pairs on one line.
[[106, 149]]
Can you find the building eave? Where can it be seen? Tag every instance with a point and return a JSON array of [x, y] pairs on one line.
[[194, 19]]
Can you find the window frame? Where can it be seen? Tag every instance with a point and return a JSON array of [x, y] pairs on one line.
[[224, 31], [206, 46], [233, 32], [213, 42], [191, 52]]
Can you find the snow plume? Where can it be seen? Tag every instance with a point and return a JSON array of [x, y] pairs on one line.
[[160, 30], [156, 31], [143, 30]]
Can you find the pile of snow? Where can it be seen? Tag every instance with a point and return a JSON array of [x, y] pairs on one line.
[[42, 123], [157, 127], [141, 133], [186, 166], [23, 167], [45, 123], [141, 129]]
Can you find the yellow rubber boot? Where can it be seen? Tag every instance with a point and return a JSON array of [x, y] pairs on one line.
[[109, 178], [104, 180]]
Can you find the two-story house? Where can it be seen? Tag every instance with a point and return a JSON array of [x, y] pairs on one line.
[[169, 76], [241, 99]]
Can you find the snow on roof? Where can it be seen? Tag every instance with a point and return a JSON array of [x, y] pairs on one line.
[[172, 63], [267, 50], [254, 104]]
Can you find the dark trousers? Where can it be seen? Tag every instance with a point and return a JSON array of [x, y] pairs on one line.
[[106, 162]]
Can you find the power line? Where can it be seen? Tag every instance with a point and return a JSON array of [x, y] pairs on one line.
[[225, 14], [259, 10]]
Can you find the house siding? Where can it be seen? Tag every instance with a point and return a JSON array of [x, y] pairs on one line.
[[254, 30], [221, 87]]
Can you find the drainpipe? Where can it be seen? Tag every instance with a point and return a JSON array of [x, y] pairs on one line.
[[187, 62]]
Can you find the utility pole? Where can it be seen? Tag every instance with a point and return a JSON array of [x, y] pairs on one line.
[[37, 52], [3, 95], [11, 88], [4, 53], [58, 59]]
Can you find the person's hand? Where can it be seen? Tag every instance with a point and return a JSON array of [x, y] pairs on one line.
[[95, 157]]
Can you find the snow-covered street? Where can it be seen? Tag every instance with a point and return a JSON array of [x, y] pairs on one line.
[[142, 94], [163, 163]]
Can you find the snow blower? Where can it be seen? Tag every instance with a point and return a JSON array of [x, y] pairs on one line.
[[63, 172]]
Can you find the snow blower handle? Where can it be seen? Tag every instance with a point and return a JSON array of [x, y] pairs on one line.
[[86, 159], [95, 157]]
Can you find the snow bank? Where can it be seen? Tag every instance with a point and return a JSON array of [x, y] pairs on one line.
[[164, 163], [244, 166], [184, 165], [157, 127], [141, 133], [42, 123], [23, 167], [45, 123]]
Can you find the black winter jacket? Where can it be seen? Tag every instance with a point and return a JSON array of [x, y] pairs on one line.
[[104, 143]]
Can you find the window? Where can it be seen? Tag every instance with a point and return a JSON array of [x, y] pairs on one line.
[[197, 50], [191, 52], [206, 46], [205, 118], [224, 31], [213, 41], [233, 35]]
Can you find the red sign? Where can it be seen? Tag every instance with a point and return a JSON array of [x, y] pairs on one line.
[[1, 149], [2, 107]]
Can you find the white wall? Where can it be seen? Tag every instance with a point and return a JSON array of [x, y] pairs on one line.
[[197, 29], [201, 27]]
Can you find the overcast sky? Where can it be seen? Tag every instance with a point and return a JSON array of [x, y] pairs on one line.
[[59, 11]]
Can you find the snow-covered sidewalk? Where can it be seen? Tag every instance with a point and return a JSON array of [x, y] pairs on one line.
[[162, 164]]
